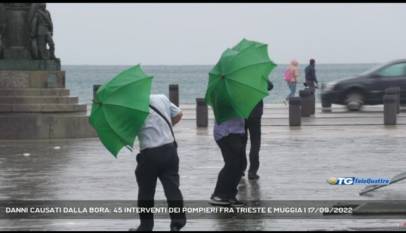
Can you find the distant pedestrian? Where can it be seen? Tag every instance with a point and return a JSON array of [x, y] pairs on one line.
[[291, 77], [253, 127], [229, 136], [158, 159], [310, 75]]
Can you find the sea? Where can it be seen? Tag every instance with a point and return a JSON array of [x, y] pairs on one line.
[[193, 79]]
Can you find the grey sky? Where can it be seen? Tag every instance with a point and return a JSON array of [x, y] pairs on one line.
[[186, 34]]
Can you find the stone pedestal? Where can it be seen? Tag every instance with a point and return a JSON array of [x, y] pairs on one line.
[[44, 126], [36, 105], [29, 64], [31, 79]]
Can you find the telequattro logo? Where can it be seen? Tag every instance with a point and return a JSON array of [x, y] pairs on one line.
[[357, 181]]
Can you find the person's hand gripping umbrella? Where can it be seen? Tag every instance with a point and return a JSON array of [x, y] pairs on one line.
[[120, 108]]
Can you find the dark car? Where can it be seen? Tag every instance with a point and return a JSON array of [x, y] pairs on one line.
[[367, 88]]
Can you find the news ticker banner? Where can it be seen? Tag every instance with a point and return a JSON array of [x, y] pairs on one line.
[[275, 209]]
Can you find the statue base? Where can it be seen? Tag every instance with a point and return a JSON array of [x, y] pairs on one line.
[[32, 79], [36, 105], [17, 126], [30, 65]]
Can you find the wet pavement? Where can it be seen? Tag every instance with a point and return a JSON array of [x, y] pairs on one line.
[[295, 164]]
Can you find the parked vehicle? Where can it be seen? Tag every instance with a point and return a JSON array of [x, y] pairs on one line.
[[367, 88]]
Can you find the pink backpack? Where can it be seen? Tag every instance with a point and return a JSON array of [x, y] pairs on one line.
[[288, 75]]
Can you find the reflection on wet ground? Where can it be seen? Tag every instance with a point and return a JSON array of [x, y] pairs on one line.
[[295, 165]]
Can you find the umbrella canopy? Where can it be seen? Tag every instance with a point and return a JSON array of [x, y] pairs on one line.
[[239, 80], [120, 108]]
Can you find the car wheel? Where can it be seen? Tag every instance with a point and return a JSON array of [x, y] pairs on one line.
[[354, 101]]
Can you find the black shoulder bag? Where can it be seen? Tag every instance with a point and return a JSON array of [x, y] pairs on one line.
[[167, 122]]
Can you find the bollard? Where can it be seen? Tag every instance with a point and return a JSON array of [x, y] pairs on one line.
[[305, 96], [394, 91], [295, 111], [174, 94], [312, 101], [325, 106], [325, 103], [389, 109], [95, 88], [202, 114]]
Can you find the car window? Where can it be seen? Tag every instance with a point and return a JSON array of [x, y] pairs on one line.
[[373, 69], [393, 70]]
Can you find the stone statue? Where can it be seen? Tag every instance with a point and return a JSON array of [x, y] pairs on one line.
[[41, 32], [2, 28], [26, 42]]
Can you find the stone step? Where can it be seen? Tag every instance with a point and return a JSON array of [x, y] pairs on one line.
[[34, 92], [38, 100], [43, 108], [45, 126]]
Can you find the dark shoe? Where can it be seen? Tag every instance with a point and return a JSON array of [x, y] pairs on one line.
[[143, 227], [236, 203], [140, 228], [214, 200], [175, 228], [253, 176], [178, 223]]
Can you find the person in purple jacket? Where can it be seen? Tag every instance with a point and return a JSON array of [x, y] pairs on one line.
[[229, 136]]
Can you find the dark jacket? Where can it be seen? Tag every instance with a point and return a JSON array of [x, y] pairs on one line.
[[310, 74], [259, 108]]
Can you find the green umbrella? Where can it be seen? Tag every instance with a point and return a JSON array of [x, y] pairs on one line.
[[239, 80], [120, 108]]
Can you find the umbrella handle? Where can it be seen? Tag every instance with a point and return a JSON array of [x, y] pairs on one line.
[[96, 102]]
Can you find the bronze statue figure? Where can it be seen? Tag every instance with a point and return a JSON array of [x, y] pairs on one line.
[[26, 41], [41, 32], [2, 28]]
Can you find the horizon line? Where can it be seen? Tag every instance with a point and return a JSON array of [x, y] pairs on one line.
[[337, 63]]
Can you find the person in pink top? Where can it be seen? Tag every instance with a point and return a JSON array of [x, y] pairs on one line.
[[291, 77]]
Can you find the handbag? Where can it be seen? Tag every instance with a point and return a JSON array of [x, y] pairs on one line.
[[288, 75], [167, 122]]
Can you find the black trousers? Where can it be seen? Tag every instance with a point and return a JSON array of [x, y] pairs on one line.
[[159, 163], [232, 150], [253, 128]]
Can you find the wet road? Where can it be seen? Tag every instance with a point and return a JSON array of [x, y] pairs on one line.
[[295, 164]]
